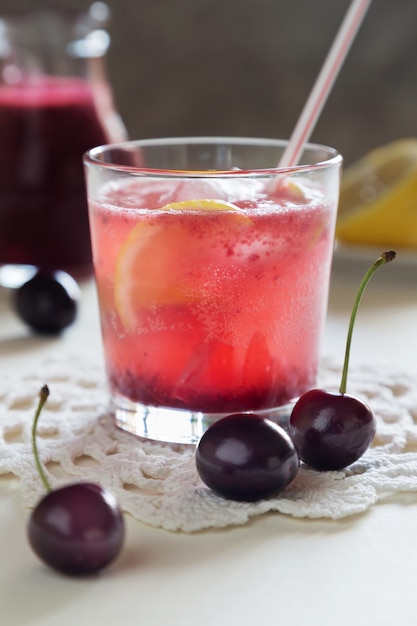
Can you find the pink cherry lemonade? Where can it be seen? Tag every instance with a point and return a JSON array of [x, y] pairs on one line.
[[210, 307]]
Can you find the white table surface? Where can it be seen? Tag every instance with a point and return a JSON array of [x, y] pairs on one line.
[[276, 569]]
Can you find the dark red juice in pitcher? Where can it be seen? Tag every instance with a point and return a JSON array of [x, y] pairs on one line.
[[45, 127]]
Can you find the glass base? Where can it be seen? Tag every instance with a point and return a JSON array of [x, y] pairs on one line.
[[175, 425]]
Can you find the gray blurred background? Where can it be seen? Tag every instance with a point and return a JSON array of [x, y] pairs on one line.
[[245, 67]]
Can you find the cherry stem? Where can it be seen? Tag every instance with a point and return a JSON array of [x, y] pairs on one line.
[[385, 257], [43, 396]]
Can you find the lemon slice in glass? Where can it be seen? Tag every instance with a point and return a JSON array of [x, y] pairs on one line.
[[378, 199], [202, 205], [156, 262]]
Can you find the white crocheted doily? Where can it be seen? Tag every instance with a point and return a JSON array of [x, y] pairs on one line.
[[158, 484]]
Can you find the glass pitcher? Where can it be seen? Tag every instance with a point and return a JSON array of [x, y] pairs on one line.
[[55, 103]]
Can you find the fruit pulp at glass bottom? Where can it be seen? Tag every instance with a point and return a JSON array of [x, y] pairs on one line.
[[248, 337], [214, 377], [45, 127]]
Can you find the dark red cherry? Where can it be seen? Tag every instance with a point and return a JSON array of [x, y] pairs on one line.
[[77, 530], [246, 457], [331, 430], [48, 301]]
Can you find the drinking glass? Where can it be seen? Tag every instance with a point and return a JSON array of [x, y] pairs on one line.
[[212, 267]]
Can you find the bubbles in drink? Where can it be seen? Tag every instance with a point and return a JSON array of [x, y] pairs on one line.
[[218, 309]]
